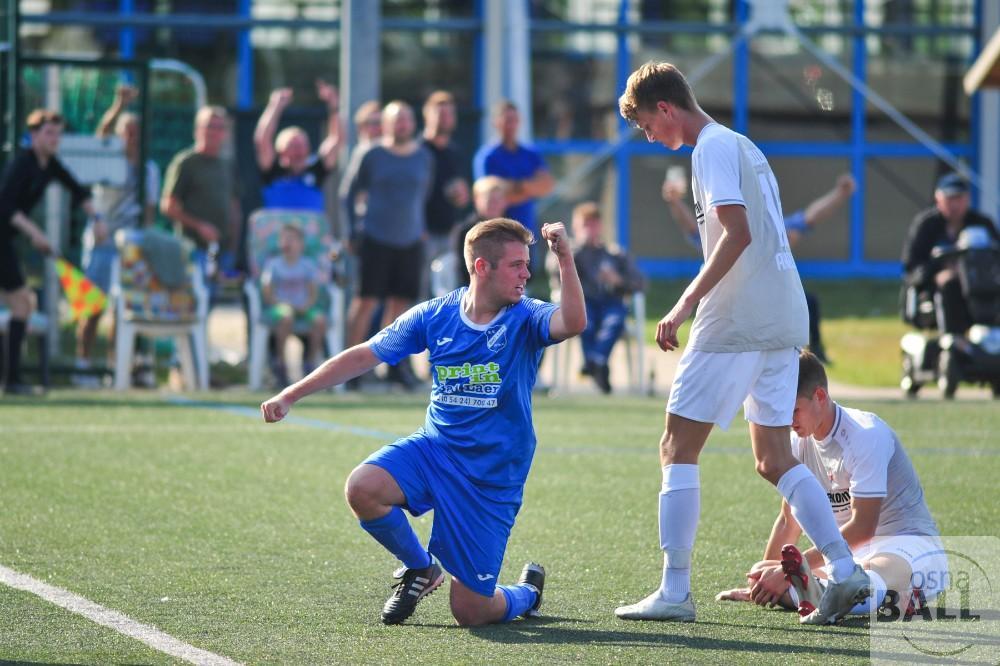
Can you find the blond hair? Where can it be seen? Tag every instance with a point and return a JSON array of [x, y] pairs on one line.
[[365, 110], [655, 82], [586, 210], [487, 184], [39, 117], [286, 135], [487, 240]]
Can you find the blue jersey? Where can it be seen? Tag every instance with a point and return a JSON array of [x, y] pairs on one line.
[[483, 374], [522, 163]]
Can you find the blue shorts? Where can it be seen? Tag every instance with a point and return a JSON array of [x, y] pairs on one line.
[[97, 263], [471, 523]]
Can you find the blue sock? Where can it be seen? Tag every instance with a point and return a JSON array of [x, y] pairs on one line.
[[519, 599], [394, 532]]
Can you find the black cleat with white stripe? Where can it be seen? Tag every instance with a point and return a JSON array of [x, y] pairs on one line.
[[412, 586], [533, 574]]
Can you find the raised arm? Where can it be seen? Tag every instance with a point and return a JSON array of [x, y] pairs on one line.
[[124, 95], [330, 147], [826, 205], [674, 196], [571, 317], [348, 364], [267, 127]]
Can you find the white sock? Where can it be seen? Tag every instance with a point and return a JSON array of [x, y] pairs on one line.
[[811, 509], [680, 504], [876, 598]]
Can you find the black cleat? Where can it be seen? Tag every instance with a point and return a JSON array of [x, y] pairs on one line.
[[413, 585], [533, 574]]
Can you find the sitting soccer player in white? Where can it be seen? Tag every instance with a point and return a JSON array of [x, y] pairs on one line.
[[877, 500]]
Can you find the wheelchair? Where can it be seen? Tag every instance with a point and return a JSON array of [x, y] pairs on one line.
[[930, 356]]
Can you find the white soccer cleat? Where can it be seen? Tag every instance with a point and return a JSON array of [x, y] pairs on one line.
[[655, 608], [840, 598]]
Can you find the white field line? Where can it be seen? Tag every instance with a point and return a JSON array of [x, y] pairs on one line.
[[149, 635], [129, 427]]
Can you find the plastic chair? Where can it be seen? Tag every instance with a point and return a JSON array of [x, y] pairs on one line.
[[142, 304], [443, 270], [263, 232], [635, 348]]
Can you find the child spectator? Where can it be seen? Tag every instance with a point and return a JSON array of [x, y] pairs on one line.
[[290, 285]]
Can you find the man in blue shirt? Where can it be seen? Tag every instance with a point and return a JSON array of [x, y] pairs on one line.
[[521, 166], [292, 177], [470, 460]]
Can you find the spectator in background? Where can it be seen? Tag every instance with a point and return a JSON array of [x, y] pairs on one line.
[[797, 226], [939, 227], [368, 123], [489, 197], [290, 284], [520, 165], [23, 182], [120, 208], [449, 193], [608, 276], [199, 193], [293, 178], [394, 175]]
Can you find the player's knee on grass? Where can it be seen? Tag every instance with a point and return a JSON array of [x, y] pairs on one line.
[[471, 609]]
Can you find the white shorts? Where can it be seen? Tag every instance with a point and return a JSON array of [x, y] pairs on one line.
[[710, 386], [925, 555]]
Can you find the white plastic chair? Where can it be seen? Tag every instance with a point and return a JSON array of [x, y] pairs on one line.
[[443, 271], [264, 227], [635, 348], [142, 305]]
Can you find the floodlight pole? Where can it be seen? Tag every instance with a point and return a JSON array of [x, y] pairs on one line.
[[360, 60]]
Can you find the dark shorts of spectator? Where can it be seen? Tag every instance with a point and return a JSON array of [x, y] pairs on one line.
[[388, 271], [11, 277]]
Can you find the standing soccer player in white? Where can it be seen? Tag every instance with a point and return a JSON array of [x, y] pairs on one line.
[[743, 348]]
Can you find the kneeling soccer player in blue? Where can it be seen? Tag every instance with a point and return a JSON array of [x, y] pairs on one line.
[[470, 460]]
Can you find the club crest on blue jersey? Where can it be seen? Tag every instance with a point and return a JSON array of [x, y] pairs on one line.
[[496, 337]]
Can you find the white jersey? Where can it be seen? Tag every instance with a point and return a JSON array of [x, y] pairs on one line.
[[759, 304], [862, 457]]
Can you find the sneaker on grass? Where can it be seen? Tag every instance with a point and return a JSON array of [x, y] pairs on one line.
[[533, 574], [412, 585], [840, 598], [655, 608]]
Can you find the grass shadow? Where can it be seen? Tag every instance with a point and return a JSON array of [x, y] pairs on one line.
[[536, 632]]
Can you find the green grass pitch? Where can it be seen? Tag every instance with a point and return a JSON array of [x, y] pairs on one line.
[[233, 535]]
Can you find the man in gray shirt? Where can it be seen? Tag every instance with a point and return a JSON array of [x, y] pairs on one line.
[[394, 175], [876, 498]]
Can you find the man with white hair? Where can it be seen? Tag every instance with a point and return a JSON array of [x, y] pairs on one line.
[[199, 190], [121, 208], [293, 177]]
